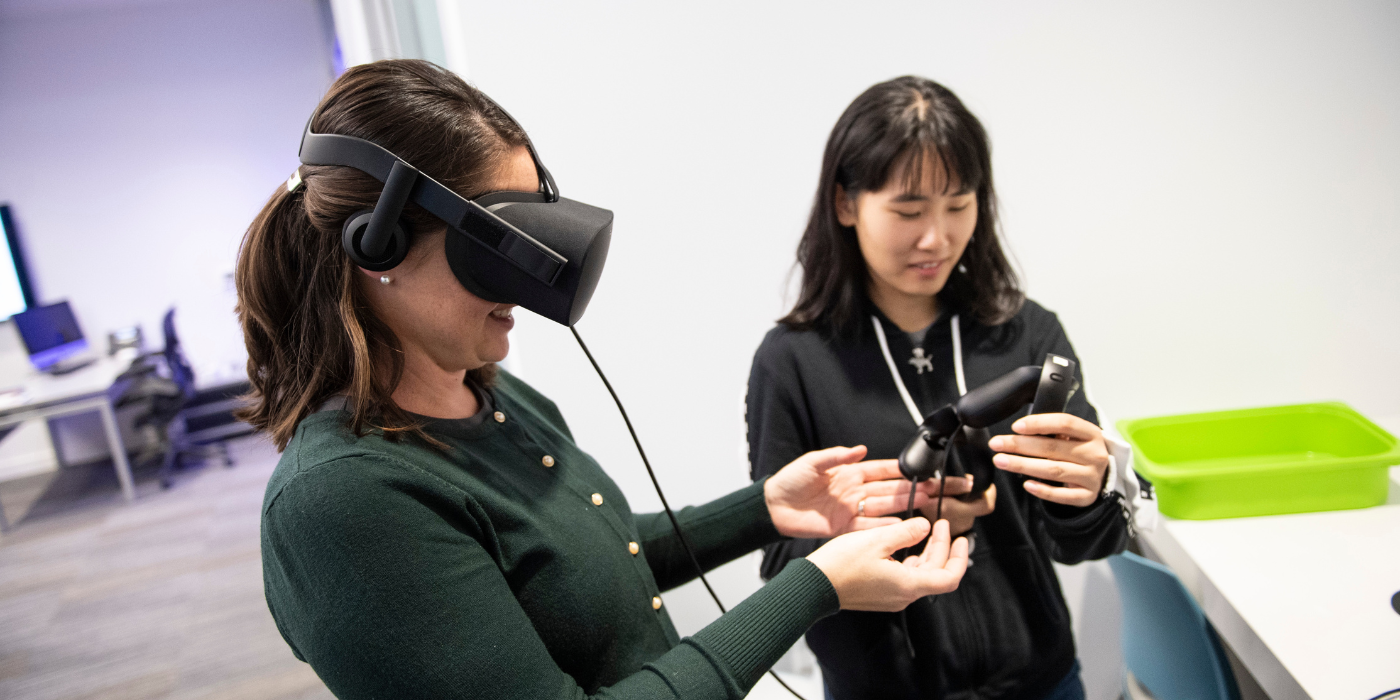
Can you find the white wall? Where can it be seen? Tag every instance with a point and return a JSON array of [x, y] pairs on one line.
[[1205, 192], [138, 138]]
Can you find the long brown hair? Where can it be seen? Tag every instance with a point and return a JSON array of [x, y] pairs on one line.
[[891, 125], [309, 329]]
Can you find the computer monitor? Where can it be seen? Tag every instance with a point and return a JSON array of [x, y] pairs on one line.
[[50, 333], [16, 292]]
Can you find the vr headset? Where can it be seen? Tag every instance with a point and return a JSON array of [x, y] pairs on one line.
[[534, 249]]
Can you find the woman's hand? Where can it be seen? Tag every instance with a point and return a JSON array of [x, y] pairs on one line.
[[959, 509], [859, 566], [820, 493], [1056, 447]]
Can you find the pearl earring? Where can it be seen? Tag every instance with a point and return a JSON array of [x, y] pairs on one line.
[[384, 279]]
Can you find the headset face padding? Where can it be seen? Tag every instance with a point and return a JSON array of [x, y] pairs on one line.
[[353, 233]]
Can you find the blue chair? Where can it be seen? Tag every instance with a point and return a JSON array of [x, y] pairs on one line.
[[1168, 644], [187, 422]]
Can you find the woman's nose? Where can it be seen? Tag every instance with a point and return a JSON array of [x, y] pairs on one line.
[[932, 236]]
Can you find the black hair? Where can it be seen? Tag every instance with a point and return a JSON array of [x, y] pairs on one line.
[[890, 127]]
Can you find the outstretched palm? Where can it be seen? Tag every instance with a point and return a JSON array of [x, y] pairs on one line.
[[819, 494]]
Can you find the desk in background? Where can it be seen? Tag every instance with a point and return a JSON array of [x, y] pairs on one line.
[[1303, 599], [87, 389]]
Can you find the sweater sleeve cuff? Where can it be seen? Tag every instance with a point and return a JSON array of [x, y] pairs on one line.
[[757, 632], [749, 507], [1075, 520]]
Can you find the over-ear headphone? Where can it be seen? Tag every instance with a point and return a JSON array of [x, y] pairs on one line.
[[377, 239], [352, 237], [535, 249]]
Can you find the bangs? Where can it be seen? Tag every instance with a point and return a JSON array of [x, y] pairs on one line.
[[957, 169]]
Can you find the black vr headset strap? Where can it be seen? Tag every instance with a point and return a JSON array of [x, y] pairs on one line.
[[397, 188], [547, 186], [550, 190], [519, 248]]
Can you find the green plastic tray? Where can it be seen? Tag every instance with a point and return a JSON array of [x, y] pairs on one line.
[[1263, 461]]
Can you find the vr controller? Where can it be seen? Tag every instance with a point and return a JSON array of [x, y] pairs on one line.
[[953, 441]]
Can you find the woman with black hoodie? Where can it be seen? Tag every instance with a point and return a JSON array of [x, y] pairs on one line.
[[907, 301]]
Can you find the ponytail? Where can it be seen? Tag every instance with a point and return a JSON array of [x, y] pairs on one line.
[[309, 329]]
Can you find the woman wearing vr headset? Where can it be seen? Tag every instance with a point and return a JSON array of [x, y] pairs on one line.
[[432, 530], [906, 303]]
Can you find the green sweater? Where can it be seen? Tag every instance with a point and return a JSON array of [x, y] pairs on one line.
[[505, 568]]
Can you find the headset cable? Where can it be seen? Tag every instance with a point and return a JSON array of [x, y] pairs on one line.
[[685, 543]]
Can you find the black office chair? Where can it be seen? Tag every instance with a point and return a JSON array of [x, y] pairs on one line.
[[179, 420]]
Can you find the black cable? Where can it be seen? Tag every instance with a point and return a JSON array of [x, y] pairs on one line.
[[913, 491], [938, 515], [904, 614], [942, 482], [943, 471], [685, 543]]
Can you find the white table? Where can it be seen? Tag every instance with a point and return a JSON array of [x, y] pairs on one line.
[[1303, 600], [81, 391]]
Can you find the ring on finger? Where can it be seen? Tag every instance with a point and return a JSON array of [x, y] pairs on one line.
[[860, 508]]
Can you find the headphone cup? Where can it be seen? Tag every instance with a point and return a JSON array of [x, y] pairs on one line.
[[354, 230]]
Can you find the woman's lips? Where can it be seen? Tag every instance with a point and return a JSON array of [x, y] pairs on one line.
[[927, 270], [503, 316]]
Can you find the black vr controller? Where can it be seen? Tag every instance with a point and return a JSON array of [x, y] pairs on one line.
[[953, 441]]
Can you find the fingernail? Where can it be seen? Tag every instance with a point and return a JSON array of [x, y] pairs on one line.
[[1019, 424], [1000, 460], [995, 443]]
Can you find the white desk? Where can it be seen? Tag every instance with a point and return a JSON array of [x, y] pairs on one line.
[[1303, 600], [87, 389]]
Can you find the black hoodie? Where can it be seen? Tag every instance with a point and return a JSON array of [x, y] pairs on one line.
[[1005, 633]]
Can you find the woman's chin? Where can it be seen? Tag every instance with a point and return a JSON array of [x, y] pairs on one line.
[[496, 353], [923, 288]]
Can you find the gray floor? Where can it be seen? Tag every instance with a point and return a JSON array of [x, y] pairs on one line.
[[161, 598]]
